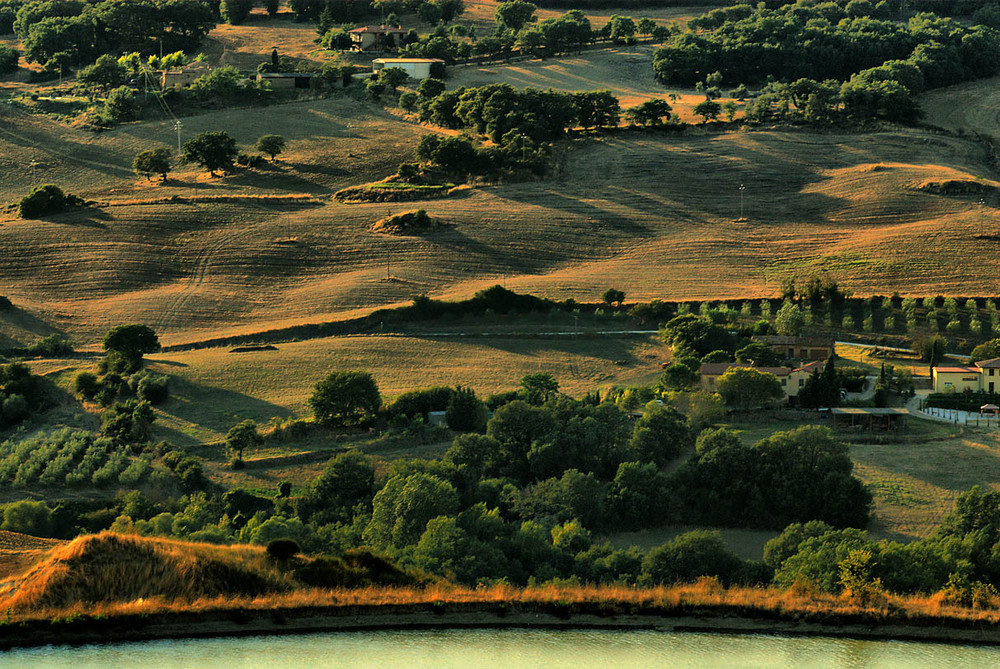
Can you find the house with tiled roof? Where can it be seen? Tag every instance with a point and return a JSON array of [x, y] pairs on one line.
[[792, 378], [375, 38], [982, 376]]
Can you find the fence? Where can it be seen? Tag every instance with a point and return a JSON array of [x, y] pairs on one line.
[[962, 417]]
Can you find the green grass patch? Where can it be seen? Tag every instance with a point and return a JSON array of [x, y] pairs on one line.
[[395, 185]]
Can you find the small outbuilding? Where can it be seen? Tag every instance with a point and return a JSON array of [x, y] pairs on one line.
[[882, 418], [184, 76], [417, 68], [989, 410]]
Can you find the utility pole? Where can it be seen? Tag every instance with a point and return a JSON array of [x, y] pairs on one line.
[[982, 215], [742, 188], [177, 126], [33, 164]]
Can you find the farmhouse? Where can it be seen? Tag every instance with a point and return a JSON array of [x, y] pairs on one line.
[[375, 38], [983, 376], [799, 348], [989, 374], [184, 76], [792, 379], [279, 80], [417, 68]]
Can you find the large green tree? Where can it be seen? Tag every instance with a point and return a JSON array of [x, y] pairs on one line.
[[212, 150], [747, 388], [152, 161], [345, 398], [401, 509], [126, 344]]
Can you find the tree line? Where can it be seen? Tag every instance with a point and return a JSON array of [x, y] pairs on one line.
[[78, 32], [820, 62]]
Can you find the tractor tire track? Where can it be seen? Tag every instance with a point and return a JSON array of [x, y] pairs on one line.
[[202, 269]]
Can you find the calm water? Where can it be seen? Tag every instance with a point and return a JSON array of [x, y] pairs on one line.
[[508, 649]]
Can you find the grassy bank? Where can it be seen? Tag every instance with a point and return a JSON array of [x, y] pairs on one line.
[[702, 606]]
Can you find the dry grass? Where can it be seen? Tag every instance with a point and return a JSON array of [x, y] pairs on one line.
[[215, 389], [652, 214], [112, 567], [704, 598], [968, 107], [916, 485]]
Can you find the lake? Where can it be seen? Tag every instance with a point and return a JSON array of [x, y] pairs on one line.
[[508, 649]]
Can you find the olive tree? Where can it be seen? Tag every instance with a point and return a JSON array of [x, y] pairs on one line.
[[243, 436], [272, 145], [152, 161]]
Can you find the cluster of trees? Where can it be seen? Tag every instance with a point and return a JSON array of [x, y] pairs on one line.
[[21, 394], [959, 559], [520, 123], [521, 495], [516, 30], [784, 478], [76, 32], [46, 199], [832, 59], [212, 150]]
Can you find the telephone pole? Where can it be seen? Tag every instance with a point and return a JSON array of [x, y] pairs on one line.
[[177, 126]]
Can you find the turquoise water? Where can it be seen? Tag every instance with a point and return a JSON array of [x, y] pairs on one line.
[[508, 649]]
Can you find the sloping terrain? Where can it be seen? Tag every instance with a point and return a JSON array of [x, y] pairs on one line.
[[653, 214]]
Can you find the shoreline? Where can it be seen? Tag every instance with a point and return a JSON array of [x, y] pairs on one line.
[[223, 623]]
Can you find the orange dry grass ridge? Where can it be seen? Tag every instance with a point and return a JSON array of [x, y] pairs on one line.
[[112, 575], [109, 566]]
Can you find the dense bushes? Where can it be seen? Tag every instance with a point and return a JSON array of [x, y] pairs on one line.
[[84, 31], [9, 59], [45, 199], [21, 394], [813, 48], [795, 476]]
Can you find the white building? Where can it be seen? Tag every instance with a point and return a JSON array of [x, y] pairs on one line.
[[417, 68]]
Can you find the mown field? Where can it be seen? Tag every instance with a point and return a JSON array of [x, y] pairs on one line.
[[652, 214], [626, 71], [971, 107]]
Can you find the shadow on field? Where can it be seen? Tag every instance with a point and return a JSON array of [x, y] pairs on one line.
[[312, 168], [23, 319], [215, 409], [613, 349], [88, 217]]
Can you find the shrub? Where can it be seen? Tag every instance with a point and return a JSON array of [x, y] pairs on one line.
[[42, 200], [234, 12], [153, 388], [283, 549], [86, 385], [250, 159], [28, 517], [120, 106], [9, 59]]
